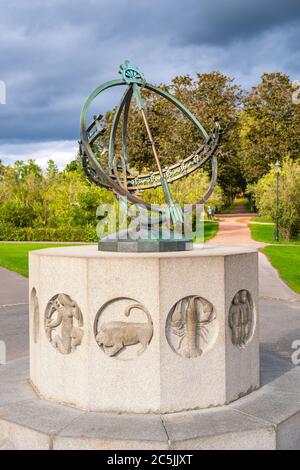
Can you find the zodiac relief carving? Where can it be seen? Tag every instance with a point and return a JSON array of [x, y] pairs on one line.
[[241, 318], [63, 323], [191, 326], [36, 314], [123, 339]]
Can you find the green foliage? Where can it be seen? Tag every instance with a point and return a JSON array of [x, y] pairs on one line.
[[14, 212], [66, 233], [54, 206], [286, 259], [61, 205], [289, 197], [206, 96], [237, 201], [188, 191], [270, 126]]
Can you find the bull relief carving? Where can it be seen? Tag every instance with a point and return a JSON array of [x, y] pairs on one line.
[[241, 318], [63, 323], [123, 339], [36, 314], [191, 326]]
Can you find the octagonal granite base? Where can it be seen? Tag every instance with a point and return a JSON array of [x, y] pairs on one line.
[[144, 333], [267, 419]]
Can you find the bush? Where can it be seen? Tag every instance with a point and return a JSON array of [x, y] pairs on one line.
[[17, 214], [63, 234], [289, 197]]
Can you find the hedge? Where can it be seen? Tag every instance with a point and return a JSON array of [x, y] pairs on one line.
[[61, 234]]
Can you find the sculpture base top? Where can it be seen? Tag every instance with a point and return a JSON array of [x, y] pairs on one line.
[[145, 246]]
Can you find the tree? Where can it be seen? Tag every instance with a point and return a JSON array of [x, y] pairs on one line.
[[206, 96], [51, 170], [270, 125]]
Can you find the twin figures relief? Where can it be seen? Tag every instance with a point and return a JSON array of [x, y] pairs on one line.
[[123, 327]]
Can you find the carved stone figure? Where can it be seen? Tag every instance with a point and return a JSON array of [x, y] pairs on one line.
[[115, 336], [63, 323], [36, 314], [241, 318], [192, 320]]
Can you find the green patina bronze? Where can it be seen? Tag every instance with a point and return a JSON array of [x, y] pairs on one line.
[[119, 177]]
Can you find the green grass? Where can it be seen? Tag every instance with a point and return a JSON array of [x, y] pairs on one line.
[[266, 233], [262, 220], [286, 259], [211, 228], [14, 256]]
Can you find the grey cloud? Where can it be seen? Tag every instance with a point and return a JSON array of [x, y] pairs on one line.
[[54, 53]]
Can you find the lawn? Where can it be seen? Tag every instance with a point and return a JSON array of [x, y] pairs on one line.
[[211, 228], [14, 256], [266, 233], [286, 259], [262, 220]]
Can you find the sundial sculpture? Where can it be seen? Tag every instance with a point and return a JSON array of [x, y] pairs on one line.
[[127, 185]]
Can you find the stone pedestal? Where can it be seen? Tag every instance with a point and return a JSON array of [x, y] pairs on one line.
[[144, 333]]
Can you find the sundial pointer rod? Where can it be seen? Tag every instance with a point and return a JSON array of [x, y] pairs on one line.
[[175, 212]]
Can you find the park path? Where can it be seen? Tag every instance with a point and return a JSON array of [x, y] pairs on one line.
[[13, 288], [234, 230], [14, 314]]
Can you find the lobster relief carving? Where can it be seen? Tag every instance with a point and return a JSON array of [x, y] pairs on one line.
[[190, 326]]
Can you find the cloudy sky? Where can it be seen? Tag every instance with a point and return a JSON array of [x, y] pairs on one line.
[[53, 53]]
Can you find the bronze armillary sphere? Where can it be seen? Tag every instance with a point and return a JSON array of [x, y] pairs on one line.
[[119, 178]]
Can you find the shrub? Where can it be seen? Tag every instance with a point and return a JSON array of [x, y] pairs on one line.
[[63, 234], [289, 197]]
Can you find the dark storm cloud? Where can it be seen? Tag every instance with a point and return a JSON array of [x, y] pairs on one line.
[[222, 22], [53, 53]]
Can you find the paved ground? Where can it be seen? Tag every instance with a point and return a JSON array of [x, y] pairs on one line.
[[233, 230], [13, 288], [279, 305]]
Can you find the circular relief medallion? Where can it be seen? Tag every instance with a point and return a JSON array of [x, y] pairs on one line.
[[123, 328], [191, 326], [63, 323], [36, 314], [241, 318]]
